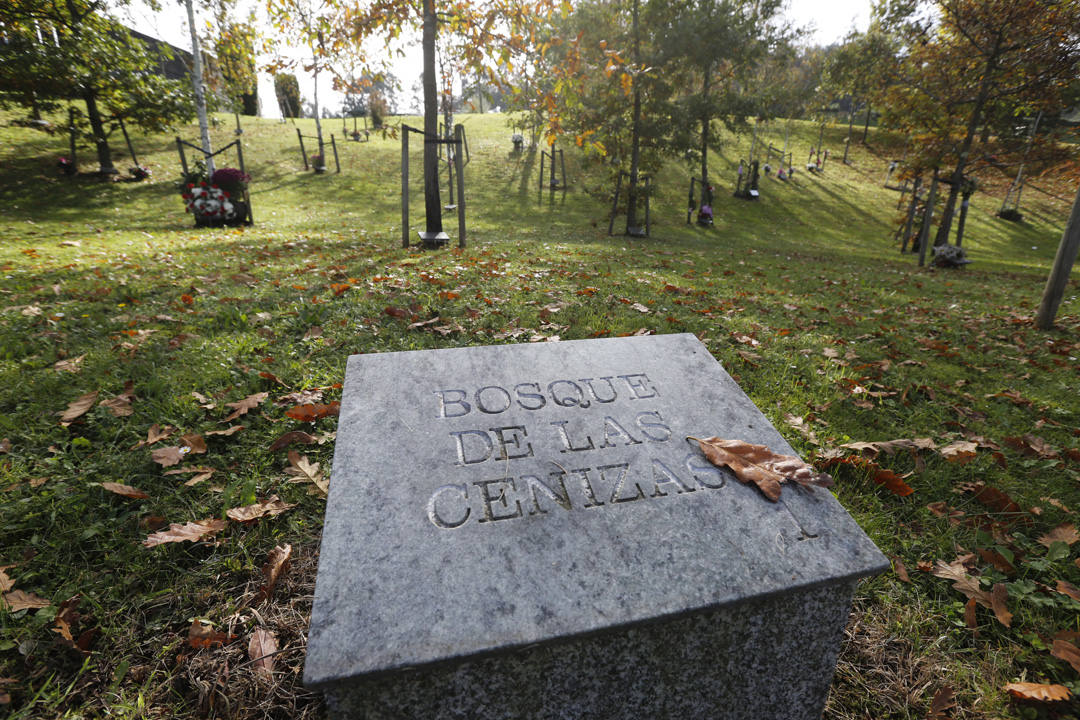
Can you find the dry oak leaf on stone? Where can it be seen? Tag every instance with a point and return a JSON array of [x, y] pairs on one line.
[[249, 513], [1038, 691], [188, 532], [759, 465]]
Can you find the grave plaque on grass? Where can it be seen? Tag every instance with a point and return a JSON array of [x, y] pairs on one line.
[[523, 531]]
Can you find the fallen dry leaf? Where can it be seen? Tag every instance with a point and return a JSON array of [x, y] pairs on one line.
[[962, 582], [900, 570], [996, 559], [19, 600], [241, 407], [313, 411], [125, 490], [961, 451], [992, 498], [999, 597], [5, 445], [194, 443], [1066, 533], [231, 430], [156, 433], [276, 564], [120, 406], [70, 365], [249, 513], [944, 699], [303, 470], [1064, 650], [969, 616], [78, 407], [1067, 588], [203, 635], [188, 532], [1038, 691], [295, 436], [6, 583], [168, 456], [889, 447], [759, 465], [261, 650]]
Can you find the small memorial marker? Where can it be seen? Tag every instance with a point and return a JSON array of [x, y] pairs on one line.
[[524, 531]]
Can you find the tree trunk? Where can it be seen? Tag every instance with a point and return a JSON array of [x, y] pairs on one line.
[[635, 137], [432, 203], [866, 125], [957, 178], [318, 121], [705, 122], [850, 124], [1059, 274], [97, 127], [200, 95]]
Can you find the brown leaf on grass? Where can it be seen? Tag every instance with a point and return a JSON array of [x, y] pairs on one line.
[[70, 365], [261, 650], [78, 407], [1032, 445], [276, 564], [249, 513], [759, 465], [231, 430], [241, 407], [996, 559], [125, 490], [992, 498], [167, 456], [889, 447], [892, 482], [961, 451], [6, 583], [944, 699], [1064, 650], [969, 616], [962, 582], [5, 446], [300, 397], [295, 436], [1067, 588], [188, 532], [1038, 691], [900, 570], [204, 402], [313, 411], [1066, 533], [803, 428], [156, 433], [201, 473], [999, 598], [120, 406], [1012, 396], [203, 635], [395, 312], [19, 600], [303, 470], [194, 443]]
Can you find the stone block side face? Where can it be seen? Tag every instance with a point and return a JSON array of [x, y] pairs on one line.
[[765, 659]]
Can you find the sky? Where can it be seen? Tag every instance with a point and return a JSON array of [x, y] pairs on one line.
[[826, 21]]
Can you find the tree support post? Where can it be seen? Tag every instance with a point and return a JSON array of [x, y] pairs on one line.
[[127, 139], [1059, 273], [459, 137], [404, 188], [71, 135], [337, 162], [924, 235], [303, 152]]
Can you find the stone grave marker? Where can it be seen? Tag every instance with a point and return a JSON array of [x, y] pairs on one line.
[[523, 531]]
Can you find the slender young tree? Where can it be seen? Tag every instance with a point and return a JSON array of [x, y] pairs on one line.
[[200, 89]]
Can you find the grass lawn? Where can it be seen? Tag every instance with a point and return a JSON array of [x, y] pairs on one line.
[[221, 333]]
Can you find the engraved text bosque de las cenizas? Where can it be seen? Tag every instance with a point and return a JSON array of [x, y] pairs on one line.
[[580, 477]]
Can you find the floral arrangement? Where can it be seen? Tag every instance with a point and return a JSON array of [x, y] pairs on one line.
[[139, 172], [209, 202], [317, 161], [66, 166], [231, 180]]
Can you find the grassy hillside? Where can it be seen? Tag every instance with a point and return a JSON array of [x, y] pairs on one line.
[[802, 296]]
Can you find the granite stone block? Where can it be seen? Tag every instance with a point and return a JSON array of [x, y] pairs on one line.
[[523, 531]]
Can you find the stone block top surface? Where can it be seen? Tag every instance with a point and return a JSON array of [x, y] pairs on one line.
[[488, 498]]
